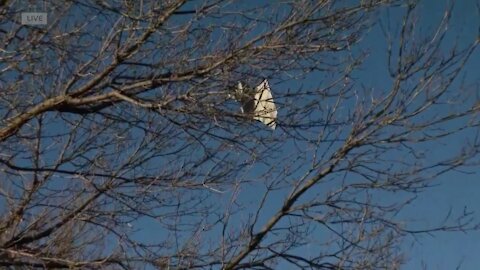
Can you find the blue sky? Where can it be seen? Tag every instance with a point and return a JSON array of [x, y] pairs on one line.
[[454, 191]]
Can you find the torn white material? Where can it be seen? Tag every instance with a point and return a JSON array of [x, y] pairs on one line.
[[259, 103]]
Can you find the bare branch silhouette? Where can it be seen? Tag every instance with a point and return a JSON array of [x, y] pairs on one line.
[[121, 146]]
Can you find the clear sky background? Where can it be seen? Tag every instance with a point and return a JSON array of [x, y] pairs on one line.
[[455, 191]]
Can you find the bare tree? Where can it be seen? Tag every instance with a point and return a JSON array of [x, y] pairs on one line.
[[121, 148]]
